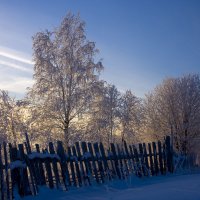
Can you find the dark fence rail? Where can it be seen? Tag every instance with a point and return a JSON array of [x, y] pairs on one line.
[[24, 169]]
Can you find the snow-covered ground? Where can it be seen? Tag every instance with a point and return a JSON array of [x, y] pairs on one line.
[[176, 187]]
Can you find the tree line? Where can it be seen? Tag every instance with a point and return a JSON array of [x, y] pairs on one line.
[[68, 101]]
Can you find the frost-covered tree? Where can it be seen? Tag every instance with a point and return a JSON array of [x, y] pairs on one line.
[[64, 73], [10, 124], [174, 108], [131, 116], [103, 115]]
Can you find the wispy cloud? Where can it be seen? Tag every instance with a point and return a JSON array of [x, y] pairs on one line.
[[15, 57], [16, 84], [15, 66], [16, 70]]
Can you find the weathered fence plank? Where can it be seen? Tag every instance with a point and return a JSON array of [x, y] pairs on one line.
[[95, 171], [24, 173], [98, 158], [86, 156], [6, 171], [151, 159], [146, 163], [42, 180], [71, 159], [2, 189], [77, 166], [160, 157], [115, 158], [54, 163], [156, 168], [63, 164], [169, 155]]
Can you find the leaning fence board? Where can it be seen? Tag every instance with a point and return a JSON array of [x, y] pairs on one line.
[[93, 162], [98, 158], [127, 158], [124, 160], [6, 171], [42, 180], [63, 164], [115, 158], [25, 182], [47, 162], [132, 160], [105, 162], [151, 159], [119, 156], [160, 157], [32, 171], [77, 166], [82, 170], [155, 158], [142, 159], [164, 158], [2, 190], [71, 159], [138, 166], [169, 155], [86, 156], [54, 163], [146, 163], [14, 171]]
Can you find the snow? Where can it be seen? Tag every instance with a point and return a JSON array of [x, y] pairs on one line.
[[174, 187], [17, 164], [86, 155], [74, 158], [34, 155]]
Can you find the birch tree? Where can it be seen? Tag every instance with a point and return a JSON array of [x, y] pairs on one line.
[[104, 114], [174, 108], [131, 116], [64, 72], [10, 124]]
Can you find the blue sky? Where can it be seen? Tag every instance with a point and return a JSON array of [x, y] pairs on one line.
[[141, 42]]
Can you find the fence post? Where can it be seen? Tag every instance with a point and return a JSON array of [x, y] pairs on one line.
[[155, 158], [54, 163], [24, 176], [93, 162], [77, 166], [86, 158], [160, 157], [83, 172], [115, 158], [126, 157], [105, 162], [6, 169], [120, 162], [169, 155], [151, 160], [145, 157], [1, 176], [98, 158], [40, 167], [47, 162], [71, 165], [63, 164]]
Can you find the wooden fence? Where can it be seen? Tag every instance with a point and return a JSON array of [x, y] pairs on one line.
[[23, 170]]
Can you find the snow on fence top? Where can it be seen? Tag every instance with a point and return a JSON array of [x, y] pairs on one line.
[[45, 155], [17, 164]]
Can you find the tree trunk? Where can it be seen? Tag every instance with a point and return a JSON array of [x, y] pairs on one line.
[[66, 133]]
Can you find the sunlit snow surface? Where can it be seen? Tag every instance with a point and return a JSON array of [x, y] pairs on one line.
[[181, 187]]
